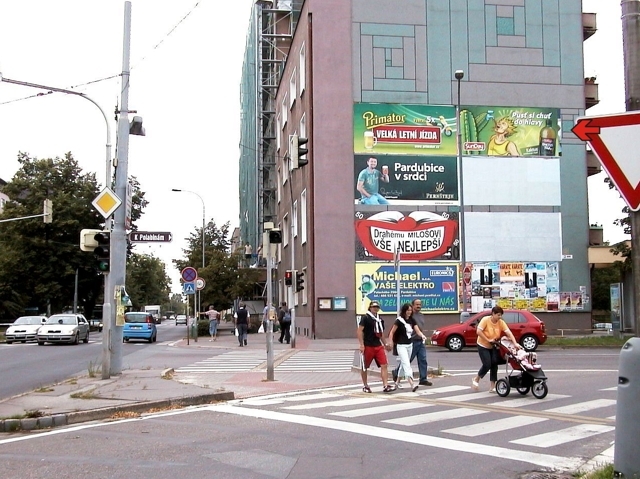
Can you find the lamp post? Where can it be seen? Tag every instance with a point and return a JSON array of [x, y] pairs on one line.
[[106, 307], [203, 262], [459, 74]]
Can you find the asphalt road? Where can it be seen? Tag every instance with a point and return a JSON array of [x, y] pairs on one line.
[[26, 367]]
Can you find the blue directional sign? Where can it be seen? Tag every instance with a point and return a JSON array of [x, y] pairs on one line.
[[189, 288]]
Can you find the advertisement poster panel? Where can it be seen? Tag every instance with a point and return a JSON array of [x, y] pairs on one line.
[[510, 131], [388, 128], [416, 236], [393, 179], [435, 284]]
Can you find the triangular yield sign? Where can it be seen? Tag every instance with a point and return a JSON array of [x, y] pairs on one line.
[[613, 139]]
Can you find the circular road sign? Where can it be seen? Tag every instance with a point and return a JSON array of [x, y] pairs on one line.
[[466, 275], [200, 283], [189, 274]]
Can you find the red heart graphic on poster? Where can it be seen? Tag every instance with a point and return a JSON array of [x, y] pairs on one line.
[[419, 236]]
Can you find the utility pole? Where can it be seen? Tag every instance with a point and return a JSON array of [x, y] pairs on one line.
[[266, 249], [630, 39]]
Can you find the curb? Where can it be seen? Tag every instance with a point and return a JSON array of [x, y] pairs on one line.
[[66, 419]]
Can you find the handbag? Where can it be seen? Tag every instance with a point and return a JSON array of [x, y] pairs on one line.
[[236, 332]]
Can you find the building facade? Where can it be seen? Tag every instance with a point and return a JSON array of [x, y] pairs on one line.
[[441, 159]]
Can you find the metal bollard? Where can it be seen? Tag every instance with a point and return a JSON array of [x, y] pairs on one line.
[[626, 460]]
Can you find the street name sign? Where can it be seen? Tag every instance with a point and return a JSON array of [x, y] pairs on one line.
[[613, 138], [150, 237]]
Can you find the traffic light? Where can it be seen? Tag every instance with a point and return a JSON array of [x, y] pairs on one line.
[[88, 239], [275, 236], [289, 275], [48, 211], [297, 152], [102, 251], [299, 281]]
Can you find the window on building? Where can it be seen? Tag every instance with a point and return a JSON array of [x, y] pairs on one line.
[[294, 218], [278, 133], [303, 217], [285, 230], [303, 126], [284, 111], [303, 67], [293, 92]]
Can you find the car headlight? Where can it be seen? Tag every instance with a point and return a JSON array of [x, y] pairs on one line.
[[436, 332]]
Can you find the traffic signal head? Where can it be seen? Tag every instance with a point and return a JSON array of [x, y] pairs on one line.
[[297, 152], [302, 152], [275, 236], [299, 281], [288, 277], [48, 211], [87, 239], [102, 250]]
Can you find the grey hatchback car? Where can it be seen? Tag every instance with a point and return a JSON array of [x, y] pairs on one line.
[[64, 328]]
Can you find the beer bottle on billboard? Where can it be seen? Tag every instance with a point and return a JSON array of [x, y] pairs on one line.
[[547, 145]]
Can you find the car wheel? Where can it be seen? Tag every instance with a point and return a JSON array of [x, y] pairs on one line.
[[40, 343], [523, 391], [503, 388], [9, 342], [455, 343], [86, 338], [155, 338], [529, 342], [539, 389], [99, 330], [150, 339], [76, 340], [23, 342]]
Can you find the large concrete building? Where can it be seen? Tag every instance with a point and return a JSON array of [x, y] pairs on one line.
[[441, 159]]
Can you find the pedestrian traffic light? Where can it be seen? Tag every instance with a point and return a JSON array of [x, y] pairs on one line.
[[297, 152], [103, 251], [288, 277], [275, 236], [299, 281]]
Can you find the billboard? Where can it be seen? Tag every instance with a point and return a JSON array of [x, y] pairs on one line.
[[387, 128], [396, 179], [435, 284], [417, 236]]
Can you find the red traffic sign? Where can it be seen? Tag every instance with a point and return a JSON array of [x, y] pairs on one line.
[[466, 275], [189, 274], [613, 138]]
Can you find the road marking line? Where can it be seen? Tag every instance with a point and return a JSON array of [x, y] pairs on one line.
[[380, 409], [538, 459], [490, 427], [434, 416], [582, 406], [526, 401], [562, 436]]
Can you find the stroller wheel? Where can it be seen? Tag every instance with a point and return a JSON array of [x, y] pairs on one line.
[[503, 388], [524, 390], [539, 389]]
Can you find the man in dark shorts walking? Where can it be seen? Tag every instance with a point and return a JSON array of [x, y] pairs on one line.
[[373, 346]]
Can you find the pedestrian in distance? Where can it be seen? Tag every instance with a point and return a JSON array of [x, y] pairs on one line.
[[242, 323], [373, 346], [489, 330], [403, 329], [418, 346], [214, 318], [284, 318]]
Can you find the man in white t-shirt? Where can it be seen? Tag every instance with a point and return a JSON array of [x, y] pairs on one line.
[[214, 318]]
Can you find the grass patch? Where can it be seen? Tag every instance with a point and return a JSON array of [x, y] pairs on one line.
[[605, 472], [93, 369], [44, 389], [587, 341], [84, 395], [27, 414]]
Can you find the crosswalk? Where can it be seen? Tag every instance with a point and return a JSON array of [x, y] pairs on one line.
[[521, 428], [285, 361]]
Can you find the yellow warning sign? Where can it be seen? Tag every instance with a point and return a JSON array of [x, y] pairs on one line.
[[106, 202]]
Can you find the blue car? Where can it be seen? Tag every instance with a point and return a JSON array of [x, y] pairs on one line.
[[139, 326]]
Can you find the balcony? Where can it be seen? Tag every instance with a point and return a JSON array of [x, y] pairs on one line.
[[590, 92], [588, 25]]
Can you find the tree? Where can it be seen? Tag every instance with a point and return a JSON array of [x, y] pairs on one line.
[[147, 281], [601, 279], [225, 280], [40, 260]]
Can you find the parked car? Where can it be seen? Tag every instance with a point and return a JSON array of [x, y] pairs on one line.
[[139, 325], [526, 327], [181, 319], [96, 323], [64, 328], [608, 327], [24, 329]]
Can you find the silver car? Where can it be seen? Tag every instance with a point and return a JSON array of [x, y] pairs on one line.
[[64, 328], [24, 329]]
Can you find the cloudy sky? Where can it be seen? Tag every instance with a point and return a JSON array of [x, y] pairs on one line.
[[185, 79]]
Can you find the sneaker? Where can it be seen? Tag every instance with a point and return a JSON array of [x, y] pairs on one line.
[[399, 385], [474, 383], [388, 388], [425, 382], [415, 388], [492, 390], [245, 342], [280, 341], [366, 389]]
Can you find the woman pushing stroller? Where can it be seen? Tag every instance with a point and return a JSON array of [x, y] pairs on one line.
[[489, 330]]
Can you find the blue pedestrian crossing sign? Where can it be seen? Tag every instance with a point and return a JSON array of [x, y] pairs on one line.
[[189, 288]]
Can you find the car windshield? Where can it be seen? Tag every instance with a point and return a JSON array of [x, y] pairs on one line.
[[135, 317], [71, 320], [28, 320]]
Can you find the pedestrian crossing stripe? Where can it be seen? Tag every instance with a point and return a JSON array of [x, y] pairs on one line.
[[318, 361], [233, 361]]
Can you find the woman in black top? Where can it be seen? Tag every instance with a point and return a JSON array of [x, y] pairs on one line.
[[400, 338]]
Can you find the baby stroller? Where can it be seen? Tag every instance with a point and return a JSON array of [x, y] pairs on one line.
[[523, 372]]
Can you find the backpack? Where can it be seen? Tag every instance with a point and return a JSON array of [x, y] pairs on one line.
[[287, 317]]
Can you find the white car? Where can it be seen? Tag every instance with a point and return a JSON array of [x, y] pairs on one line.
[[64, 328], [24, 329], [181, 319]]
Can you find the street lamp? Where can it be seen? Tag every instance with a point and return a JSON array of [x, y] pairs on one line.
[[203, 220], [459, 75]]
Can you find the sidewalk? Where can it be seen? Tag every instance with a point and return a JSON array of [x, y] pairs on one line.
[[136, 391]]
